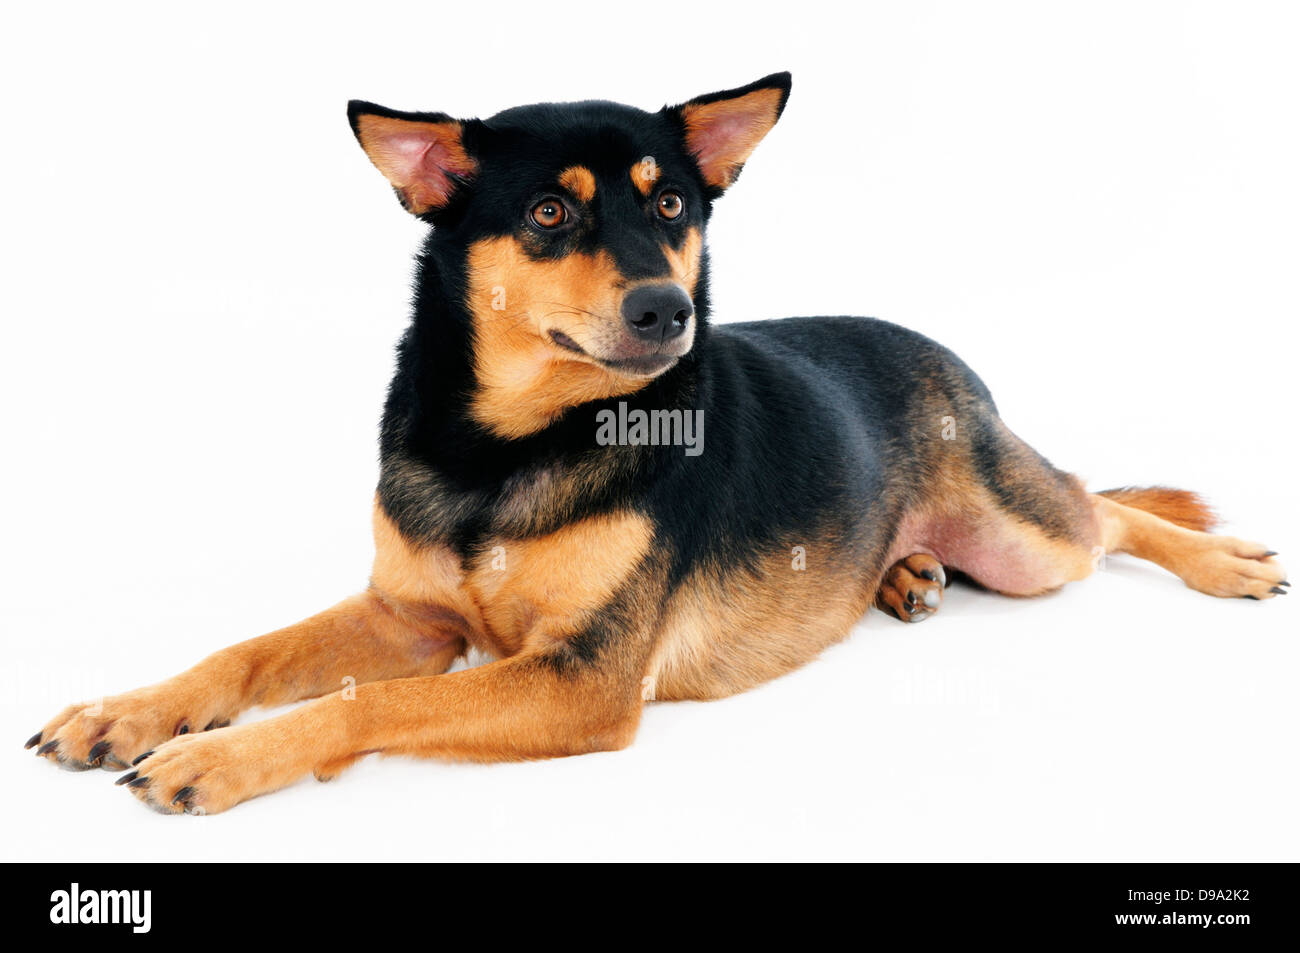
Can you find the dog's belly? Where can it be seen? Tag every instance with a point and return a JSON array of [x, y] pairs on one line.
[[724, 632], [995, 548]]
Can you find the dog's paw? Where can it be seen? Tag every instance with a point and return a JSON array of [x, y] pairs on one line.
[[912, 588], [209, 773], [1228, 567], [112, 733]]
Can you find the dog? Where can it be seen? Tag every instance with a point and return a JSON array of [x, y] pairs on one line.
[[617, 501]]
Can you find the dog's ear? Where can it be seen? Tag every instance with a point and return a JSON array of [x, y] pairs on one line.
[[722, 129], [422, 155]]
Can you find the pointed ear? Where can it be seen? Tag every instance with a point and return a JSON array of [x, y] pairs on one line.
[[722, 129], [422, 155]]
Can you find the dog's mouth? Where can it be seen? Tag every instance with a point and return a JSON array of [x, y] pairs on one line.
[[636, 365], [566, 342]]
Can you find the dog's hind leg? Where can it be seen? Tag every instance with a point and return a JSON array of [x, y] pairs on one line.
[[996, 511], [1216, 565], [1011, 521]]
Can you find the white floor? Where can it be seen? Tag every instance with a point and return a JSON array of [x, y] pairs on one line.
[[1126, 718]]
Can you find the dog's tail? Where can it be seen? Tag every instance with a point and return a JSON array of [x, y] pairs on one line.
[[1181, 507]]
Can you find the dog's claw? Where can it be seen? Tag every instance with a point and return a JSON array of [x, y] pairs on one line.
[[46, 748], [98, 751], [138, 782], [1279, 590], [33, 741], [183, 795], [140, 758], [127, 778], [936, 575]]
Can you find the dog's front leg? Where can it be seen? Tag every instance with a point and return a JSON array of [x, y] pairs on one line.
[[361, 639], [536, 705]]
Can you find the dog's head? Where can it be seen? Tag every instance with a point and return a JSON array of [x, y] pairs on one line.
[[580, 231]]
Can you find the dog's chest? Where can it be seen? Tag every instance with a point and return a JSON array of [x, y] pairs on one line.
[[516, 593]]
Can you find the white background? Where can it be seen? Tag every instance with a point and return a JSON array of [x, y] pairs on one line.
[[1095, 204]]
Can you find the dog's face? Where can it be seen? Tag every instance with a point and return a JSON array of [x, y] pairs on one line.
[[581, 231]]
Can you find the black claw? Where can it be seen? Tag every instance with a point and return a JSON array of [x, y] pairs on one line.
[[33, 741], [138, 782], [1249, 596], [1271, 552], [127, 778], [185, 730], [1282, 583], [97, 752], [930, 574], [141, 758], [48, 747], [1279, 590], [911, 598], [184, 794]]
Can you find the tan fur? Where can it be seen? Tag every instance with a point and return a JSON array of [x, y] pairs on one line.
[[361, 639], [684, 263], [513, 708], [524, 379], [518, 594], [530, 591], [417, 617], [1216, 565], [580, 182], [507, 710], [726, 632], [1180, 507], [644, 175]]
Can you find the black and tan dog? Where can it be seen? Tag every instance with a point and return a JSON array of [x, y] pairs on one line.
[[564, 285]]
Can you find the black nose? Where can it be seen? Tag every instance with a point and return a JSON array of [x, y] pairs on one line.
[[658, 312]]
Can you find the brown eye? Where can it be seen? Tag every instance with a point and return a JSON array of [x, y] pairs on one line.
[[671, 204], [549, 213]]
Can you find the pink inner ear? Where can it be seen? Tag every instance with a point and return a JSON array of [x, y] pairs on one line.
[[418, 158], [424, 160], [716, 144], [722, 134]]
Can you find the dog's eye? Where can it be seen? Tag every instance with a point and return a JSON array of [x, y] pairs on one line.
[[549, 213], [671, 204]]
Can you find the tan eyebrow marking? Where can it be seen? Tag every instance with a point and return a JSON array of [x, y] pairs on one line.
[[645, 174], [579, 180]]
